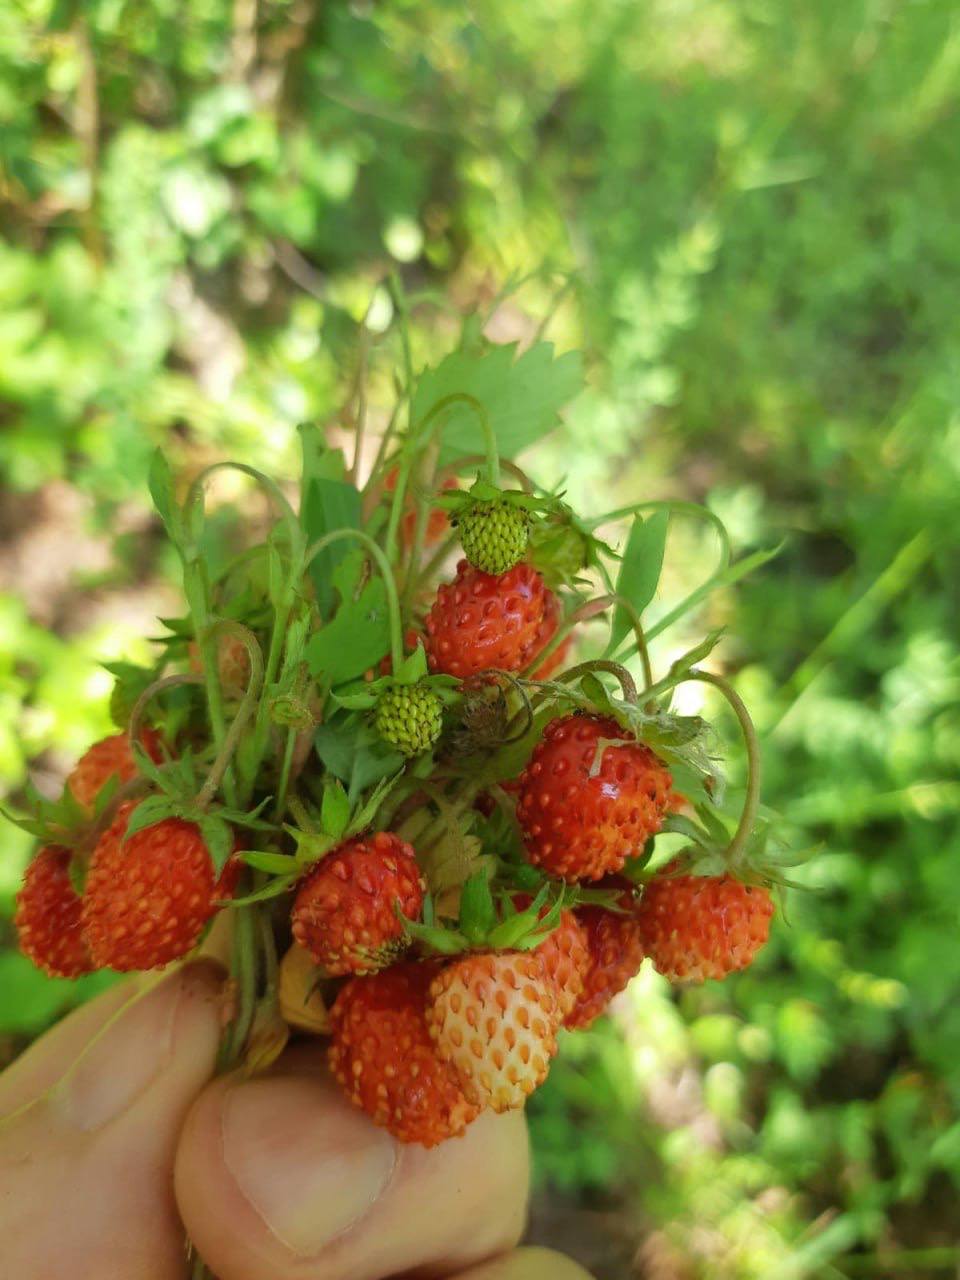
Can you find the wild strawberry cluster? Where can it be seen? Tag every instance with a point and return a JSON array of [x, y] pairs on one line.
[[375, 748]]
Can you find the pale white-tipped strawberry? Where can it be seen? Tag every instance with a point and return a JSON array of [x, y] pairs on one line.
[[493, 1017]]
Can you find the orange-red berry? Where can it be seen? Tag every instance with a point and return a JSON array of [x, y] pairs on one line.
[[615, 954], [108, 758], [698, 927], [382, 1055], [146, 900], [585, 808], [48, 917], [345, 911], [481, 621]]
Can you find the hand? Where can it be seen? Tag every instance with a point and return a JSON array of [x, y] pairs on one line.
[[114, 1141]]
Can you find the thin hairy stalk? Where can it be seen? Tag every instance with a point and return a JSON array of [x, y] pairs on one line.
[[738, 845], [422, 435], [286, 766], [248, 706], [360, 394]]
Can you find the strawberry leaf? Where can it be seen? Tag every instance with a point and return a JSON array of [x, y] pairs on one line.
[[639, 570], [358, 635], [328, 503], [521, 394]]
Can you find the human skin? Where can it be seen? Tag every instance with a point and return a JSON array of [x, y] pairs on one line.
[[114, 1138]]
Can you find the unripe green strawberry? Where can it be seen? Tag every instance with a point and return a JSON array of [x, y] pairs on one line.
[[494, 535], [409, 717]]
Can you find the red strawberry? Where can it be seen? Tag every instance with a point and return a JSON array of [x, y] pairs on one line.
[[345, 909], [146, 901], [48, 917], [493, 1017], [697, 927], [582, 818], [479, 621], [107, 758], [383, 1057], [564, 954], [615, 954]]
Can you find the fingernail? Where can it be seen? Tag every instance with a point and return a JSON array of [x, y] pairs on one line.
[[137, 1044], [308, 1163]]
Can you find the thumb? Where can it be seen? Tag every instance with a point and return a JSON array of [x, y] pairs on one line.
[[86, 1161], [280, 1178]]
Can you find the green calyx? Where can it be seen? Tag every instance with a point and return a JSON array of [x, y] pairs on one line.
[[494, 535], [409, 717], [494, 524]]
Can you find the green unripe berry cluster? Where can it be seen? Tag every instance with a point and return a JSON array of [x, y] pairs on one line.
[[410, 718], [494, 535]]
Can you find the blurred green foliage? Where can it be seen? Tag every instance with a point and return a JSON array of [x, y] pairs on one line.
[[755, 207]]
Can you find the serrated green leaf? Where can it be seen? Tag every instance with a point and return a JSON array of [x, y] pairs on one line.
[[640, 570], [522, 395], [218, 837], [355, 753], [335, 810]]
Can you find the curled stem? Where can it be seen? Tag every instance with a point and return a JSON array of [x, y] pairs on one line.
[[751, 805], [135, 728], [195, 492], [386, 573], [626, 680], [244, 712], [478, 459], [421, 437], [594, 607]]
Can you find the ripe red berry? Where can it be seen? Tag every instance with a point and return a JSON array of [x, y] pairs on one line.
[[564, 954], [479, 621], [697, 927], [48, 917], [146, 901], [108, 758], [581, 816], [615, 954], [382, 1055], [345, 909]]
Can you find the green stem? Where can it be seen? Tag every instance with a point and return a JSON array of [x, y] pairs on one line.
[[288, 749], [244, 971], [246, 709], [420, 438], [478, 459], [751, 805], [195, 492], [627, 684], [383, 564], [197, 590], [437, 559], [416, 550]]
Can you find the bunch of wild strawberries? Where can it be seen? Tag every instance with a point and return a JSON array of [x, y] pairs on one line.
[[432, 836]]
